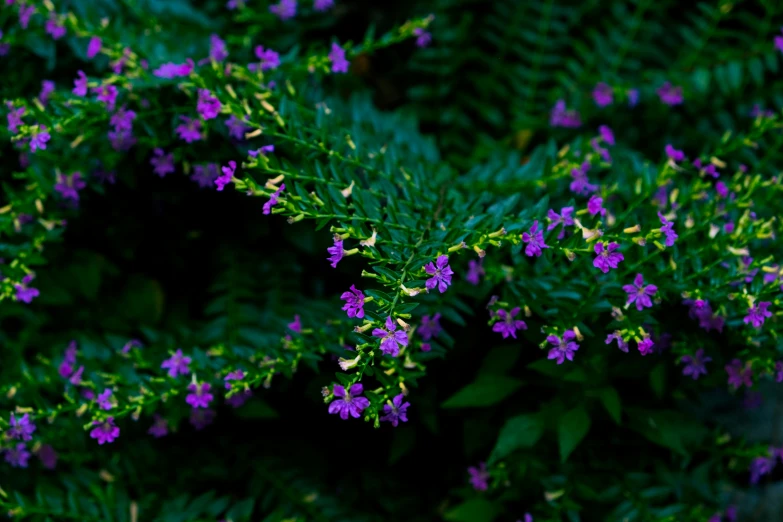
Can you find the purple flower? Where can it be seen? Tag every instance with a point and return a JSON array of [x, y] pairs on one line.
[[25, 293], [80, 84], [47, 456], [207, 106], [189, 130], [236, 375], [580, 184], [55, 27], [285, 9], [47, 88], [323, 5], [21, 429], [76, 378], [349, 403], [622, 344], [430, 327], [199, 396], [606, 134], [562, 117], [534, 240], [441, 274], [69, 361], [14, 118], [645, 346], [236, 128], [17, 456], [479, 477], [25, 12], [423, 38], [133, 343], [395, 410], [104, 431], [117, 65], [174, 70], [695, 364], [273, 200], [475, 271], [159, 428], [163, 163], [104, 400], [177, 364], [670, 95], [639, 293], [602, 94], [563, 348], [757, 314], [205, 175], [779, 371], [217, 48], [668, 230], [354, 302], [565, 218], [201, 418], [507, 325], [94, 47], [674, 154], [39, 138], [69, 185], [392, 339], [122, 140], [266, 149], [759, 467], [595, 205], [336, 252], [239, 398], [739, 375], [296, 325], [269, 58], [633, 97], [337, 57], [228, 175], [106, 94], [779, 43], [606, 257]]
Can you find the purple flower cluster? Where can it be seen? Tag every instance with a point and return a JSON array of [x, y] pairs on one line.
[[562, 117]]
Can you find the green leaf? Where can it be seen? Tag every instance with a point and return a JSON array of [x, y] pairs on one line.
[[522, 431], [658, 380], [500, 360], [571, 429], [474, 510], [256, 409], [611, 401], [484, 391]]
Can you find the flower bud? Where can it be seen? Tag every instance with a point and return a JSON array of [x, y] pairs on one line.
[[633, 230], [479, 251], [347, 364]]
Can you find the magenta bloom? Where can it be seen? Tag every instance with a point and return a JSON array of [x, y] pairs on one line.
[[47, 456], [159, 428], [25, 13], [163, 163], [336, 252], [563, 348], [581, 185], [337, 57], [670, 95], [217, 48], [25, 293], [94, 47], [205, 175], [106, 94], [266, 149], [236, 375], [606, 257], [395, 411], [14, 118], [122, 120], [104, 431], [779, 371], [668, 230], [639, 293], [602, 94], [674, 154], [39, 138], [189, 130], [430, 327], [17, 456], [236, 128], [622, 344], [269, 58], [349, 402], [285, 9], [475, 271], [757, 314], [391, 338], [606, 134], [739, 375], [55, 27], [228, 175], [177, 364], [565, 218], [273, 199], [479, 477], [595, 205], [21, 429], [323, 5], [201, 418], [104, 400], [695, 364], [69, 361], [562, 117], [423, 38], [535, 241], [174, 70], [441, 274], [133, 343], [507, 325], [296, 325], [645, 346], [207, 106], [199, 396], [354, 302], [80, 84], [69, 185]]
